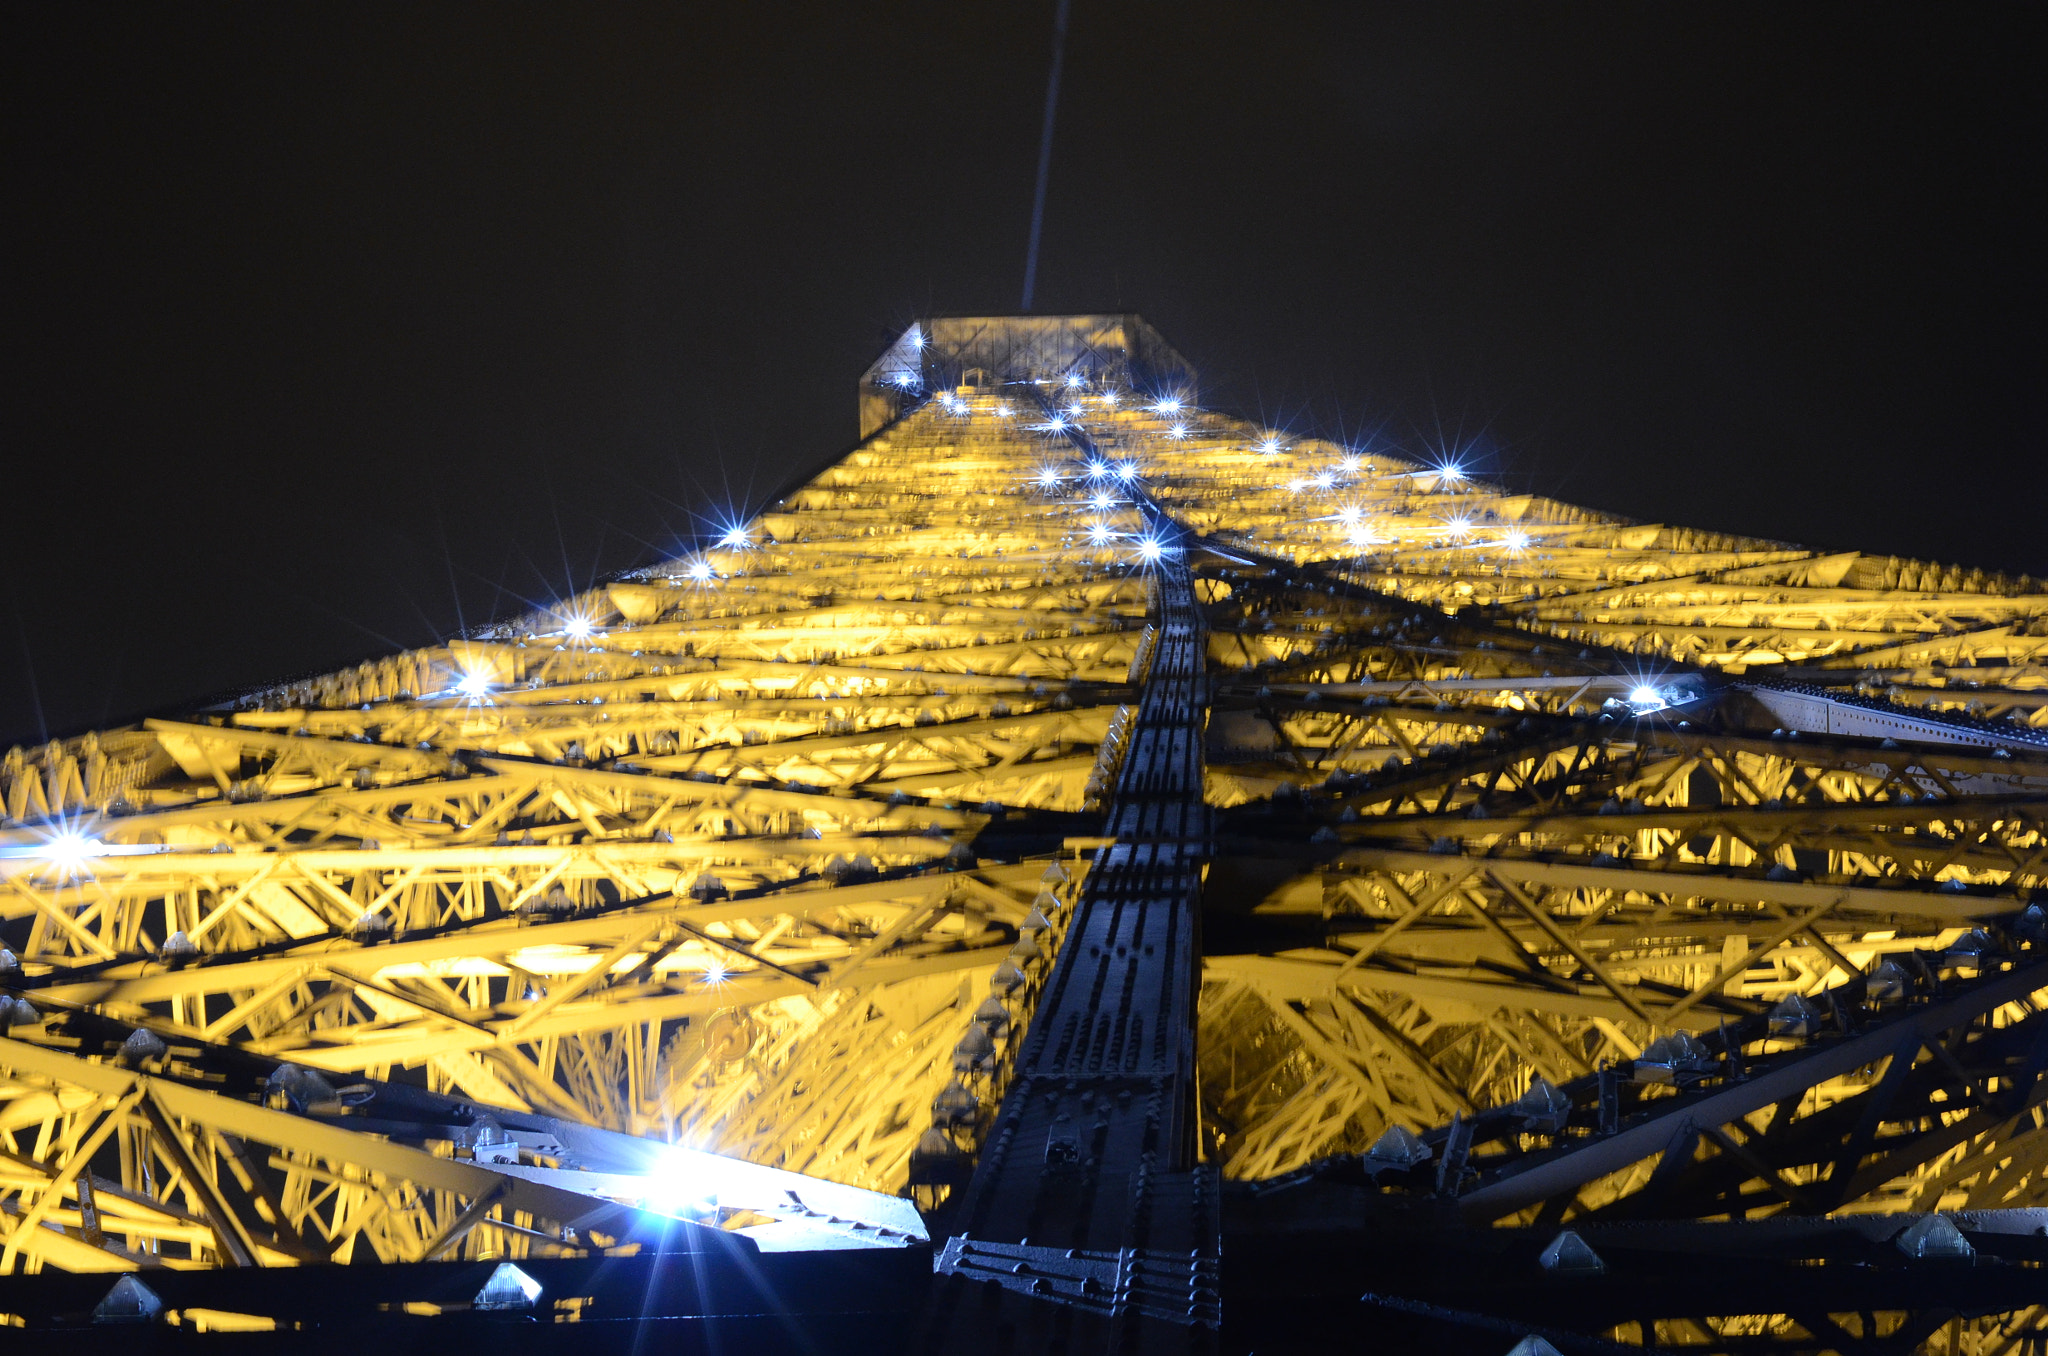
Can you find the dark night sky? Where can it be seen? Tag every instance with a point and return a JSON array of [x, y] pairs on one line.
[[335, 327]]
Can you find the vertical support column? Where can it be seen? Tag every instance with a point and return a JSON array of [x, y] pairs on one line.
[[1088, 1193]]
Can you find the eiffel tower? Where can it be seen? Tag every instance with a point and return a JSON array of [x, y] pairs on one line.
[[1081, 871]]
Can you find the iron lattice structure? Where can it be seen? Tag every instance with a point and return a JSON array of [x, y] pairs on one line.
[[1214, 875]]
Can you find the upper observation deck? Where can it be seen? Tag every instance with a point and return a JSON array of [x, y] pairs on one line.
[[941, 352]]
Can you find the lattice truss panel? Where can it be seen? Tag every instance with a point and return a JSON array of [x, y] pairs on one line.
[[690, 856], [1509, 799], [1498, 818]]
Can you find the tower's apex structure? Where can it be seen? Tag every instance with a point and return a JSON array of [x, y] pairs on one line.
[[939, 352]]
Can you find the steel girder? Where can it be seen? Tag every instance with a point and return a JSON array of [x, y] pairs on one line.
[[689, 856], [779, 848]]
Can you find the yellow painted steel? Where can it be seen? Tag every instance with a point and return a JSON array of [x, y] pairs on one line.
[[690, 855]]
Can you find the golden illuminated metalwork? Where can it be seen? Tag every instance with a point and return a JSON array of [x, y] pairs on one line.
[[767, 849]]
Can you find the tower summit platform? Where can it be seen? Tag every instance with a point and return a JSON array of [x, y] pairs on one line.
[[942, 352], [1083, 869]]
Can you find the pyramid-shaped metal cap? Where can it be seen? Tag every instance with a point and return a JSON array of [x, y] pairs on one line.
[[1934, 1236], [130, 1301], [1570, 1253], [1398, 1147], [508, 1288]]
